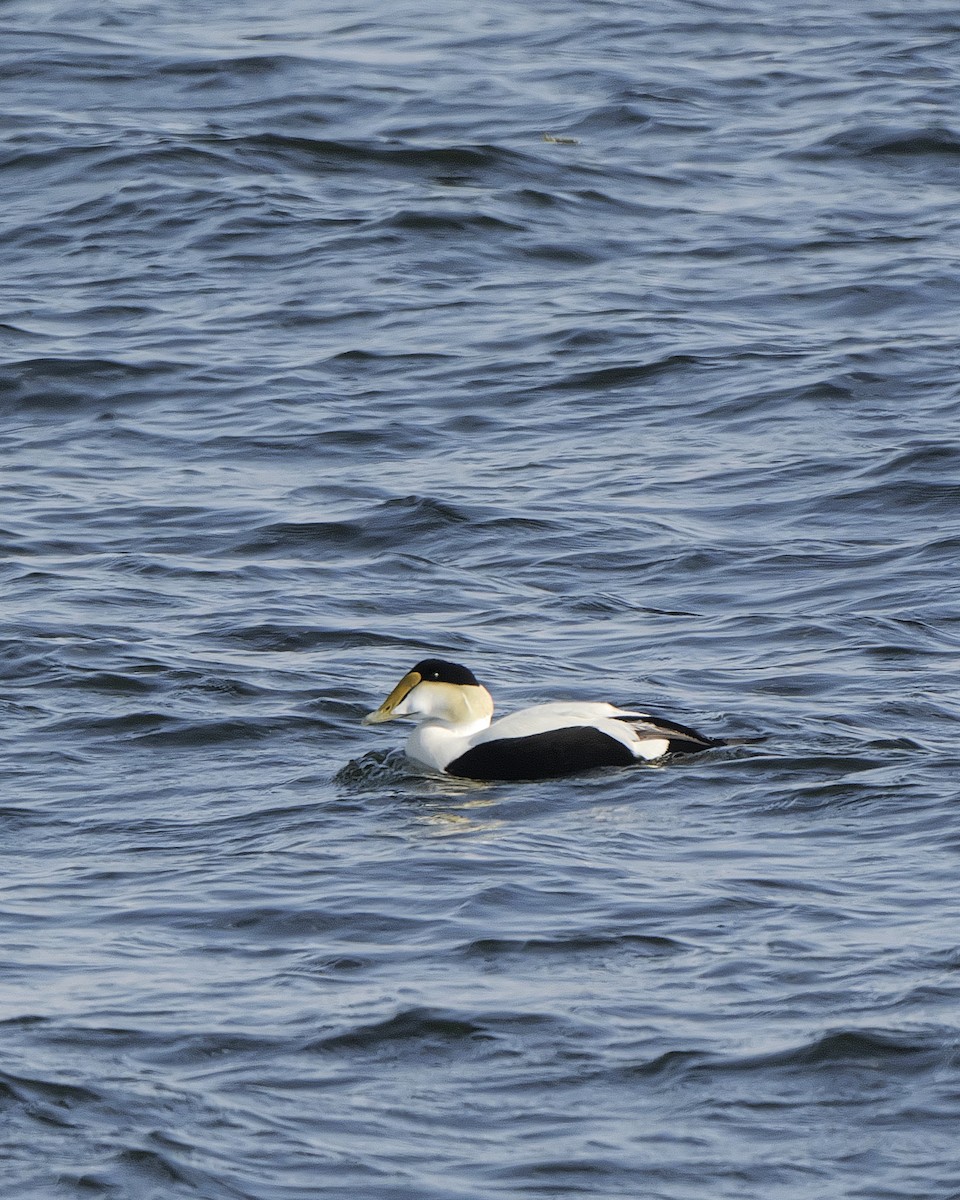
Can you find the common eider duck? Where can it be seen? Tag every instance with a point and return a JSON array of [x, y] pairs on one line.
[[454, 733]]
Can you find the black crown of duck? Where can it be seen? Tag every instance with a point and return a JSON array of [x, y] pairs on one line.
[[456, 733]]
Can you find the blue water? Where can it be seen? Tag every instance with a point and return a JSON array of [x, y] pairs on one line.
[[608, 348]]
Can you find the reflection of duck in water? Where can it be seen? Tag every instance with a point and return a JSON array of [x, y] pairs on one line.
[[454, 732]]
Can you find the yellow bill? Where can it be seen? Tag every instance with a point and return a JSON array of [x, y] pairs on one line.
[[397, 696]]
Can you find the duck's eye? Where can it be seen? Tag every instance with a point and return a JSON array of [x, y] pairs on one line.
[[435, 675]]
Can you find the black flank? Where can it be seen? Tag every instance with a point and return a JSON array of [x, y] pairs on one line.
[[542, 755]]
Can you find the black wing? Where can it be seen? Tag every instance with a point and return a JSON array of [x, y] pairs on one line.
[[682, 739]]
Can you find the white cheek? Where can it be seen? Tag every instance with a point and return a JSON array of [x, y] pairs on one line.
[[416, 703], [429, 700], [404, 708]]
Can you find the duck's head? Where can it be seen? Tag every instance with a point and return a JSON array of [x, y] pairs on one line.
[[439, 691]]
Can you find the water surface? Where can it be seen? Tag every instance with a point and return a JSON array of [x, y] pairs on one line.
[[608, 348]]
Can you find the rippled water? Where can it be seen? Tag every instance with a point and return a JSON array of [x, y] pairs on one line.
[[608, 348]]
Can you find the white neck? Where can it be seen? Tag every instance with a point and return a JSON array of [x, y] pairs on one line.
[[454, 716], [436, 744]]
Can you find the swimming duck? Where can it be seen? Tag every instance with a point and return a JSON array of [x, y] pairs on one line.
[[455, 735]]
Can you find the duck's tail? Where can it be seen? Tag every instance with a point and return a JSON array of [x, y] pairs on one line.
[[682, 739]]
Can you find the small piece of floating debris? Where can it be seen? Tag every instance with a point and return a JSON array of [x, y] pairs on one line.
[[454, 733]]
